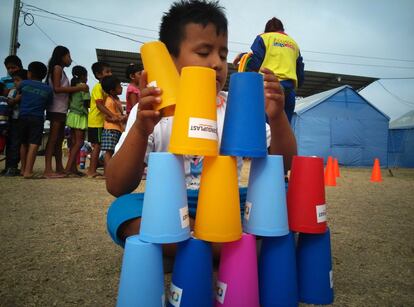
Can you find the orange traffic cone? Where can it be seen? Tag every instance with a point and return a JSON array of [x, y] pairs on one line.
[[336, 168], [376, 172], [330, 178]]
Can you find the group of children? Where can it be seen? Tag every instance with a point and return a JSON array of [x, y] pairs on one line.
[[26, 101]]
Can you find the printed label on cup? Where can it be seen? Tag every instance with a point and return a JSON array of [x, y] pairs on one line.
[[321, 213], [221, 288], [202, 128], [331, 278], [185, 218], [175, 295], [247, 210], [152, 84]]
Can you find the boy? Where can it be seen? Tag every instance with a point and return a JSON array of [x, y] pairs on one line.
[[195, 33], [12, 64], [114, 125], [13, 141], [96, 116], [34, 96]]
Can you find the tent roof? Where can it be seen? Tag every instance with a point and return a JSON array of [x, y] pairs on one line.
[[303, 105], [315, 82], [403, 122]]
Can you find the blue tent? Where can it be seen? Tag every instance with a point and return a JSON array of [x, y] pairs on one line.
[[401, 141], [342, 124]]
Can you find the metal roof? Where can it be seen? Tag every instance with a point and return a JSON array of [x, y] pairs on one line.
[[315, 82]]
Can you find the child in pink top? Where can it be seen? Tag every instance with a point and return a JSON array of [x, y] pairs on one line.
[[133, 73]]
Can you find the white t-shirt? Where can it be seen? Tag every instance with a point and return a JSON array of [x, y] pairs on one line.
[[159, 140]]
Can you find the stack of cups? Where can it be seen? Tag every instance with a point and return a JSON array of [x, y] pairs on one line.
[[307, 215]]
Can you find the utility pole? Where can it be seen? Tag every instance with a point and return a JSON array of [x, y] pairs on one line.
[[14, 44]]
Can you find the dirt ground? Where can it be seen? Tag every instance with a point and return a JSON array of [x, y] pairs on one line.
[[56, 252]]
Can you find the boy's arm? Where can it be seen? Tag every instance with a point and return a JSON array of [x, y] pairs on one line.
[[283, 141], [124, 170]]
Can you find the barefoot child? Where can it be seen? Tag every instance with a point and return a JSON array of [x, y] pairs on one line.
[[77, 118]]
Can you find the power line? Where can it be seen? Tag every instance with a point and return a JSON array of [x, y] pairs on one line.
[[409, 103], [45, 34], [353, 64], [358, 56], [84, 24]]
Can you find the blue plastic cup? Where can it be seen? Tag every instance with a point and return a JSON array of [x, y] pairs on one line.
[[244, 130], [265, 212], [142, 277], [165, 216], [192, 279], [314, 265], [277, 272]]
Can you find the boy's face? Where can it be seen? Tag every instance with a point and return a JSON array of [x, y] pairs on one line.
[[118, 89], [107, 71], [203, 47], [11, 68], [17, 81]]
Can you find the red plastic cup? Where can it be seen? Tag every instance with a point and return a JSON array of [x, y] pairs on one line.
[[306, 195]]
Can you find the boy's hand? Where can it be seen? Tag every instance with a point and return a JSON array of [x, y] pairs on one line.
[[147, 117], [274, 96]]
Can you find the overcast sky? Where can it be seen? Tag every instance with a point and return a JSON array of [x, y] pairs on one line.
[[369, 38]]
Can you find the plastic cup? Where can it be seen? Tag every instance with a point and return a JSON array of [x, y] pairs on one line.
[[162, 73], [237, 279], [265, 213], [192, 278], [165, 216], [277, 272], [306, 195], [244, 130], [142, 277], [194, 130], [314, 265], [218, 208]]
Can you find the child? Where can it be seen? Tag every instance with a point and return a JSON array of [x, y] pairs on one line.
[[96, 116], [195, 33], [34, 97], [12, 64], [13, 141], [56, 112], [4, 116], [133, 73], [114, 125], [77, 119]]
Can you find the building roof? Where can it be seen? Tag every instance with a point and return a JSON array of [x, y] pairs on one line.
[[315, 82], [405, 121], [302, 105]]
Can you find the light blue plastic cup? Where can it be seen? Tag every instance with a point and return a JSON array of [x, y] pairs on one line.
[[165, 216], [244, 130], [142, 277], [192, 278], [265, 212], [314, 265], [277, 272]]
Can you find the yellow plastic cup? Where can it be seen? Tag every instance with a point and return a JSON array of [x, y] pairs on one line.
[[218, 216], [162, 73], [194, 129]]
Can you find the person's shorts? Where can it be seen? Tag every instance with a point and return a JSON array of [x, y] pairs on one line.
[[129, 206], [95, 135], [56, 116], [109, 139], [30, 130]]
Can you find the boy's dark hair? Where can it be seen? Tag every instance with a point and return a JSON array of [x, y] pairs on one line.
[[109, 83], [98, 67], [132, 69], [274, 25], [21, 73], [78, 72], [184, 12], [13, 59], [38, 70]]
